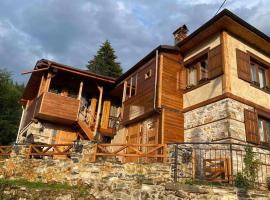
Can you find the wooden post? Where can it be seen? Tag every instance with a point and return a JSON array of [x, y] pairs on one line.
[[123, 98], [105, 114], [165, 149], [20, 126], [80, 91], [41, 86], [92, 111], [99, 108], [48, 82], [95, 153]]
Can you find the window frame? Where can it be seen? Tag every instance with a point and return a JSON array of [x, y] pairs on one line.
[[266, 135], [258, 65], [196, 64], [129, 88], [148, 74]]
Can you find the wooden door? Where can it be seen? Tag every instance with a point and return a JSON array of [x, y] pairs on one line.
[[64, 137], [152, 137], [133, 137]]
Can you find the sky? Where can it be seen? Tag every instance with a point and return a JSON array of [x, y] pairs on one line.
[[71, 32]]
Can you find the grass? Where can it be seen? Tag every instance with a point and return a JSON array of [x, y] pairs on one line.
[[34, 185], [78, 191]]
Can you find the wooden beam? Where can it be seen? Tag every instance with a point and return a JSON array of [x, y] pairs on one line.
[[42, 85], [33, 71], [100, 88], [80, 91]]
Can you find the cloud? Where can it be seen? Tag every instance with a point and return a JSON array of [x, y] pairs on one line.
[[71, 32]]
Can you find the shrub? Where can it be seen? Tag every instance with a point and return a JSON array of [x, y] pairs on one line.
[[251, 165], [268, 182], [241, 181]]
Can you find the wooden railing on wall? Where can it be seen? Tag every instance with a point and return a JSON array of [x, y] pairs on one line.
[[31, 111], [39, 151], [132, 151], [5, 150]]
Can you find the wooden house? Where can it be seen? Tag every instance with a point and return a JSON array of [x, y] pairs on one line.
[[62, 104], [212, 85]]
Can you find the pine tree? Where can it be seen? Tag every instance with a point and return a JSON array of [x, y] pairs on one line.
[[104, 62]]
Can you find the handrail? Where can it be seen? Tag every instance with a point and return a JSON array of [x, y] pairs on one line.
[[42, 150], [132, 151], [5, 150]]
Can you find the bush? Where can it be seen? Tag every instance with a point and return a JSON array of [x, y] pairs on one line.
[[241, 181], [251, 165], [268, 182]]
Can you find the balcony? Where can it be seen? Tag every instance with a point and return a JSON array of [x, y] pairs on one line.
[[55, 108]]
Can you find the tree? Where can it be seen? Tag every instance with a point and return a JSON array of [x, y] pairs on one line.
[[104, 62], [10, 110]]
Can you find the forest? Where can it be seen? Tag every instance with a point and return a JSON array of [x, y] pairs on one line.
[[10, 109]]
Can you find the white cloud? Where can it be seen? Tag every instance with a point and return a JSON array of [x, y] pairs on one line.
[[72, 31]]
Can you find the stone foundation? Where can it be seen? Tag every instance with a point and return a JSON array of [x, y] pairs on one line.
[[216, 122]]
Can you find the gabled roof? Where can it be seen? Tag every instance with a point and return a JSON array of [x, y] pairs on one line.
[[160, 48], [226, 20], [46, 65]]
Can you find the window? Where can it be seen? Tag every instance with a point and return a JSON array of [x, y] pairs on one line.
[[204, 69], [258, 74], [198, 71], [264, 130], [192, 76], [131, 87], [148, 74]]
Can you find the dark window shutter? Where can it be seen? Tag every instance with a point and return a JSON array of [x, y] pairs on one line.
[[215, 67], [243, 68], [267, 77], [251, 126]]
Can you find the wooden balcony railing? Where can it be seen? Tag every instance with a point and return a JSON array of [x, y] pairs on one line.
[[57, 108], [53, 107], [131, 151], [39, 151], [31, 111], [5, 150]]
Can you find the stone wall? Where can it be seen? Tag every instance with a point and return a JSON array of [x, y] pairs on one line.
[[216, 121], [105, 179]]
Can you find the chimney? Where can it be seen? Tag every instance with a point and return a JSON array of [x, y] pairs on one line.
[[180, 34]]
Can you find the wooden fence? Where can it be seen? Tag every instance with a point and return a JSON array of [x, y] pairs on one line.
[[133, 152], [5, 150], [51, 150]]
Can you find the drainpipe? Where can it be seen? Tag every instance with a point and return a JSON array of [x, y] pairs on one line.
[[156, 73], [19, 130]]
